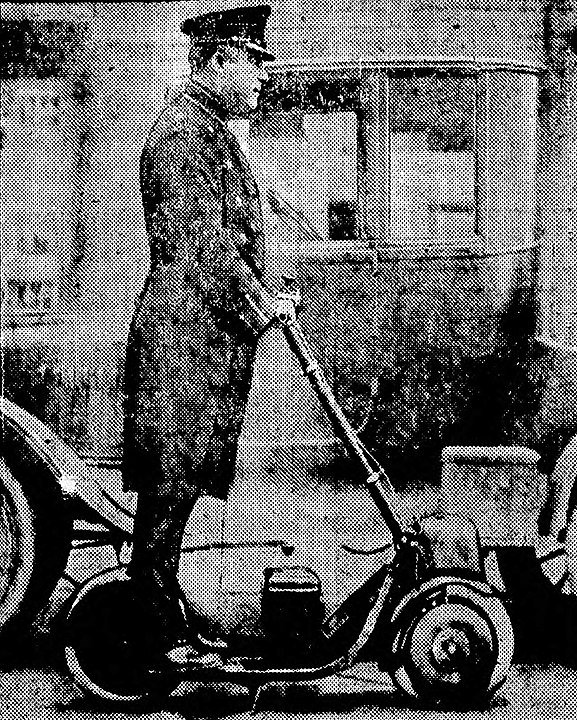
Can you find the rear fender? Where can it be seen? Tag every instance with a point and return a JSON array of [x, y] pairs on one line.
[[43, 462], [454, 542], [36, 455]]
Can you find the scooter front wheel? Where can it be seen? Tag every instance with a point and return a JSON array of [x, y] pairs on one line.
[[452, 643], [109, 640]]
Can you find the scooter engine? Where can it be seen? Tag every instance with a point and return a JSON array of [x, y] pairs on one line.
[[292, 615]]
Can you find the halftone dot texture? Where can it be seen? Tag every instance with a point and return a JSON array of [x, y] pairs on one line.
[[419, 183]]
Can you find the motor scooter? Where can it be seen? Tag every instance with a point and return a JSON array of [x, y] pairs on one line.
[[434, 625]]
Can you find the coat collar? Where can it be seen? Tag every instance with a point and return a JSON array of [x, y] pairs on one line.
[[212, 104], [207, 99]]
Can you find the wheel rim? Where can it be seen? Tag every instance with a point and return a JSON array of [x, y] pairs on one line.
[[16, 548], [451, 650], [108, 643], [453, 642], [8, 547], [76, 665], [571, 553]]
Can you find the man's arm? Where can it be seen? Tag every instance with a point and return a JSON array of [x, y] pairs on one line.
[[189, 217]]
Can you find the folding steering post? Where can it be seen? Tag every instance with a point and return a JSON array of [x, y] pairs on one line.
[[377, 481]]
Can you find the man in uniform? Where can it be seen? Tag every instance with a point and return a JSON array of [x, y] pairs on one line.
[[194, 333]]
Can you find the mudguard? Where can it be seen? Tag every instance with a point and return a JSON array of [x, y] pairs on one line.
[[27, 444], [563, 484], [454, 542], [44, 462]]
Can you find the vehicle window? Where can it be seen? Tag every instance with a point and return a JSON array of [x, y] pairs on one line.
[[304, 148], [432, 157]]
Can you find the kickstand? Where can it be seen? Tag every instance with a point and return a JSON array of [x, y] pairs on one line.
[[256, 698]]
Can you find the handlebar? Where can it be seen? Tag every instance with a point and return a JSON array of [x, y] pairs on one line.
[[288, 299]]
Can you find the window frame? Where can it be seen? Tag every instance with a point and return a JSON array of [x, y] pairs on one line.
[[374, 200]]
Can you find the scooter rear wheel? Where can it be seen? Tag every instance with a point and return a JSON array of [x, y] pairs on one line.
[[109, 640], [453, 643]]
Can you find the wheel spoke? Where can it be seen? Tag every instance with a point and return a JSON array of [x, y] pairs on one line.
[[571, 545], [8, 559], [555, 571], [563, 482]]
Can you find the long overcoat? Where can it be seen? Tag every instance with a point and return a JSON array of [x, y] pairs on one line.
[[193, 336]]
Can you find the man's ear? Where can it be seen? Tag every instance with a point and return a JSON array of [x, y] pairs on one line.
[[217, 60]]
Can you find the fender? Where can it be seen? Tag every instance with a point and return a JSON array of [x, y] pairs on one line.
[[44, 462], [563, 483]]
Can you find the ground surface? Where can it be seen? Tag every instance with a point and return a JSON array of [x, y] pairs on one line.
[[531, 692]]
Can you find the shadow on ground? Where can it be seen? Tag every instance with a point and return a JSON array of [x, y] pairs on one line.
[[209, 701]]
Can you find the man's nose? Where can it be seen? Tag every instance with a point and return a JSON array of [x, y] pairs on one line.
[[263, 74]]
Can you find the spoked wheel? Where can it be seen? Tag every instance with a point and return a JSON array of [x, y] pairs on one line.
[[571, 553], [453, 643], [109, 641], [17, 546], [34, 544], [557, 557], [557, 553], [541, 581]]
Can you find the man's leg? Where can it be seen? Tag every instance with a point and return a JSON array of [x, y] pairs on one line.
[[159, 527]]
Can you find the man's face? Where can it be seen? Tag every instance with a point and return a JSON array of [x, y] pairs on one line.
[[242, 78]]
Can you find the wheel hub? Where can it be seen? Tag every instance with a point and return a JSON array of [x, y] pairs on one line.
[[450, 649]]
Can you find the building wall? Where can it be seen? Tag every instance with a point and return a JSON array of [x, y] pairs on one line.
[[434, 333]]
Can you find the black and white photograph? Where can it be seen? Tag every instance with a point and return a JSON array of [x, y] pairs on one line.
[[288, 360]]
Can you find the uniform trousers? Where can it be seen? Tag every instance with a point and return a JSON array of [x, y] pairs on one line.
[[159, 527]]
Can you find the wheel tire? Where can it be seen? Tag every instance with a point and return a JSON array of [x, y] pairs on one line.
[[453, 643], [557, 551], [558, 557], [108, 639], [541, 582], [34, 544]]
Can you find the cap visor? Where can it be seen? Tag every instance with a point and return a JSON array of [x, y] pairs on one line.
[[259, 51]]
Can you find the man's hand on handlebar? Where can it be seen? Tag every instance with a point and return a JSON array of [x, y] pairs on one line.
[[288, 300], [285, 308], [282, 306]]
